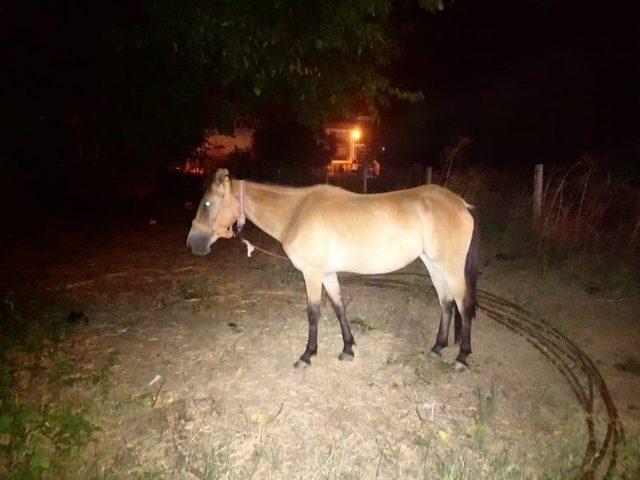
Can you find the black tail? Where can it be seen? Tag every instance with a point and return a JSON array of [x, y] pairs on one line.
[[472, 266], [471, 274]]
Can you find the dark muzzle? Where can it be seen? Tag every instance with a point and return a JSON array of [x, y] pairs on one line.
[[198, 241]]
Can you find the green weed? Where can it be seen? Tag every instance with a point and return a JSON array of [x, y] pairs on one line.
[[565, 459], [39, 434], [629, 461], [498, 467], [452, 468], [38, 439], [487, 407]]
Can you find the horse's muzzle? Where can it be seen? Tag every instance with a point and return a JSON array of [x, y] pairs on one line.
[[199, 242]]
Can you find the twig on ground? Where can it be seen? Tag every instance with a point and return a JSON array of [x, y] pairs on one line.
[[113, 334], [115, 274], [82, 283], [69, 286], [155, 397], [273, 417]]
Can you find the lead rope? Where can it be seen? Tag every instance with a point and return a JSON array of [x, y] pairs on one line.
[[240, 226], [251, 248]]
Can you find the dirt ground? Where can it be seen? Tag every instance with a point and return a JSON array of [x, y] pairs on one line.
[[201, 354]]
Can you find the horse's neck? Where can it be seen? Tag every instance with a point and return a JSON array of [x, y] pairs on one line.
[[269, 207]]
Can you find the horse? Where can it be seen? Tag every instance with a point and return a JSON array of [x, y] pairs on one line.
[[325, 230]]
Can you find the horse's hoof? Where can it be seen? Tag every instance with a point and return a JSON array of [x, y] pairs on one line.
[[435, 354], [302, 364], [459, 367], [346, 356]]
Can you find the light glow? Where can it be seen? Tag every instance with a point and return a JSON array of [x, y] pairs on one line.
[[356, 133]]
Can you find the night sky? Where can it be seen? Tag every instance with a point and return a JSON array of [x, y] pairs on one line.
[[529, 81]]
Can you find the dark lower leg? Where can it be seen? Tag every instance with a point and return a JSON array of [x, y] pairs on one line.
[[347, 337], [313, 313], [465, 338], [442, 340]]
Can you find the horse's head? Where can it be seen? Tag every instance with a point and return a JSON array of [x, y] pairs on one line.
[[217, 212]]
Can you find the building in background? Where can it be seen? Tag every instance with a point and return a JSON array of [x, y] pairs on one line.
[[350, 145], [218, 148]]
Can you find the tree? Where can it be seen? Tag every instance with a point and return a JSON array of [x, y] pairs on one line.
[[152, 76]]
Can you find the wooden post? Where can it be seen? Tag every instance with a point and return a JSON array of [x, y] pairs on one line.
[[429, 175], [537, 191], [364, 177]]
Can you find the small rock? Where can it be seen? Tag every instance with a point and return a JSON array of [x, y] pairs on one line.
[[234, 327], [77, 317]]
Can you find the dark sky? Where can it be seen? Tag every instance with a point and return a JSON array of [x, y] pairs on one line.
[[527, 80]]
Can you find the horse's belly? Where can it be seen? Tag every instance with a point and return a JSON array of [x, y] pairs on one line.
[[373, 259]]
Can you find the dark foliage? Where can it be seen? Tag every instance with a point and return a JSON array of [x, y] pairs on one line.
[[108, 84]]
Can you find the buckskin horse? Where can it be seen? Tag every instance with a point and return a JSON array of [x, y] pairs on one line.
[[325, 230]]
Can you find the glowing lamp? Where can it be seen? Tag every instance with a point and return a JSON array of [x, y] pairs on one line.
[[356, 133]]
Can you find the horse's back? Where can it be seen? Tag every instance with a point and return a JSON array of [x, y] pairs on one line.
[[338, 230]]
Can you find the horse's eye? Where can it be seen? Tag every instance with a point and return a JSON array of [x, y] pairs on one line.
[[207, 204]]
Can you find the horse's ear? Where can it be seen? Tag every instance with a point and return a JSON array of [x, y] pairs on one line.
[[221, 175]]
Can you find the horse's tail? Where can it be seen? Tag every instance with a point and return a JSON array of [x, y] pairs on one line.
[[471, 274]]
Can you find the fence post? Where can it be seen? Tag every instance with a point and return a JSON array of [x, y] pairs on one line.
[[537, 191], [429, 174]]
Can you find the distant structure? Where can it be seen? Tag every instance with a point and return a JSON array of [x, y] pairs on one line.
[[349, 144], [217, 148], [346, 141]]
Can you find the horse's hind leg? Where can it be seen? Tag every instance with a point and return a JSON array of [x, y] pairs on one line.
[[466, 307], [332, 287], [446, 304], [313, 282], [446, 312]]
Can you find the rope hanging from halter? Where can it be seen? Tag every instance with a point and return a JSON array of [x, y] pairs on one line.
[[242, 219]]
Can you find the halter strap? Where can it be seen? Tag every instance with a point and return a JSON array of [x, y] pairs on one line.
[[242, 219]]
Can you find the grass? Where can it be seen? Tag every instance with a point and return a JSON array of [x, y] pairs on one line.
[[40, 433], [452, 466], [629, 364], [587, 230], [487, 407], [629, 461], [360, 323], [422, 364], [217, 465]]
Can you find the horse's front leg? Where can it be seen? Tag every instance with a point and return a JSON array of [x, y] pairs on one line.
[[313, 283], [332, 286]]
